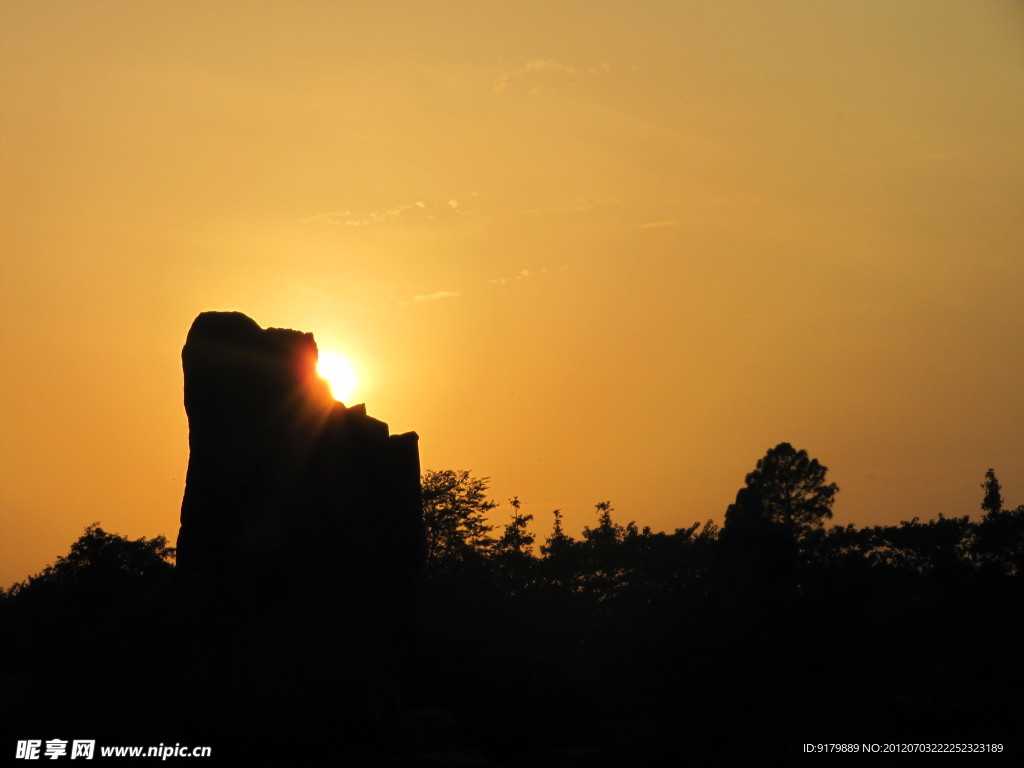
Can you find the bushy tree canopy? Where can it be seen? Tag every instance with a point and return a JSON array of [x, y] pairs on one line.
[[102, 561], [786, 491], [455, 507]]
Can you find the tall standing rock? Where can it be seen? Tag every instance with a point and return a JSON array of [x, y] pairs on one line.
[[301, 527]]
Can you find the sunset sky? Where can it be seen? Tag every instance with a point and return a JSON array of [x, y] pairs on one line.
[[593, 250]]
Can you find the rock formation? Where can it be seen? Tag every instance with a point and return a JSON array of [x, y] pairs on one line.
[[301, 528]]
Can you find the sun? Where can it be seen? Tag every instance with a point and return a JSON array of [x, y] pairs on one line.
[[338, 372]]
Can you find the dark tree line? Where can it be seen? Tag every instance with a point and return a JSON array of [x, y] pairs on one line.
[[756, 637], [774, 530], [736, 644]]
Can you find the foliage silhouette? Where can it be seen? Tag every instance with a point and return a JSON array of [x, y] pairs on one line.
[[513, 551], [100, 562], [993, 501], [998, 540], [455, 506], [516, 541], [83, 628], [557, 542], [628, 615], [787, 491], [614, 640]]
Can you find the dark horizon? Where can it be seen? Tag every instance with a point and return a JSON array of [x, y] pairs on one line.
[[327, 598], [622, 251]]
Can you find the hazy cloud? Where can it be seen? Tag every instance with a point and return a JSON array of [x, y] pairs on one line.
[[525, 274], [537, 74], [658, 224], [436, 296], [576, 205], [360, 218], [521, 275], [417, 209]]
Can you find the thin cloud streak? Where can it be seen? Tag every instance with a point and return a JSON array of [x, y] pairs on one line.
[[520, 276], [577, 205], [526, 274], [537, 69], [436, 296], [417, 209]]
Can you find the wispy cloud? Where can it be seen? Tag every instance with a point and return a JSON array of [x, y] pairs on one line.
[[436, 296], [540, 74], [361, 218], [575, 205], [526, 274], [518, 277], [367, 218], [521, 275]]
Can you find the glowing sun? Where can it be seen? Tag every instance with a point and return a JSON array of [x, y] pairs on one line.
[[339, 374]]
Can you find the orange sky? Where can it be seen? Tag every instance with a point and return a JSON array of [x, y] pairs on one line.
[[595, 250]]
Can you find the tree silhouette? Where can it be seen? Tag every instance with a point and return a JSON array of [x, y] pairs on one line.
[[516, 541], [558, 542], [571, 632], [101, 563], [608, 532], [786, 492], [993, 501], [455, 506], [999, 536], [87, 625]]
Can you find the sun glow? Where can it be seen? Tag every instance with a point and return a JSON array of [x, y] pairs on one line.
[[339, 374]]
